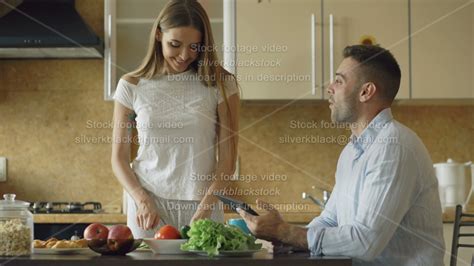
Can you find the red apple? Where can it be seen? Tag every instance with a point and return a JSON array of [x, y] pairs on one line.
[[120, 231], [120, 237], [96, 231]]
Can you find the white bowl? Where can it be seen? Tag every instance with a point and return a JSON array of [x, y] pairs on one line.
[[165, 246]]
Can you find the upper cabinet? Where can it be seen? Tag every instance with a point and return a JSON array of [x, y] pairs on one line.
[[278, 49], [313, 34], [381, 22], [443, 49], [290, 49], [128, 25]]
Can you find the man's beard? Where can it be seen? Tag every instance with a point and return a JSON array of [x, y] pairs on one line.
[[346, 111]]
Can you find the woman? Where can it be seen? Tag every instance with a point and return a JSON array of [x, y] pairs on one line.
[[186, 108]]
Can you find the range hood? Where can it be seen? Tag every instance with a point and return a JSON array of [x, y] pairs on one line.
[[45, 29]]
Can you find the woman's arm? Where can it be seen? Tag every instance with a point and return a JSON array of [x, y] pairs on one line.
[[227, 134], [147, 215]]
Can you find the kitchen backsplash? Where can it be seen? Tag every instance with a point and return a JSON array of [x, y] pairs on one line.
[[55, 131]]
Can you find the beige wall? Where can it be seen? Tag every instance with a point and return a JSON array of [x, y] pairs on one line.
[[47, 109], [447, 131]]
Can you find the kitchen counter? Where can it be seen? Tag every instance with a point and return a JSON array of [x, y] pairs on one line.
[[118, 218], [450, 213], [148, 258], [290, 217], [67, 218]]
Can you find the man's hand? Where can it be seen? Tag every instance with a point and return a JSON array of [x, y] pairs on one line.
[[272, 227], [269, 226]]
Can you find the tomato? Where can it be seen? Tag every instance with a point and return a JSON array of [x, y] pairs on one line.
[[167, 232]]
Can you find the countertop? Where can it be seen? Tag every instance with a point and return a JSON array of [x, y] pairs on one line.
[[118, 218], [148, 258], [63, 218], [450, 213]]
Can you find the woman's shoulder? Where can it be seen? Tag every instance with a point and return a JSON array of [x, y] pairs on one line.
[[131, 79]]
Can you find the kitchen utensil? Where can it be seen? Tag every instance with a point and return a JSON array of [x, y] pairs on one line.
[[452, 182], [165, 246], [16, 227]]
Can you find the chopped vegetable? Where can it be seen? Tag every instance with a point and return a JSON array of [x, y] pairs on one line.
[[184, 231], [143, 245], [212, 237]]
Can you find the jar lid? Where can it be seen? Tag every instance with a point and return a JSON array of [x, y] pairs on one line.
[[9, 202]]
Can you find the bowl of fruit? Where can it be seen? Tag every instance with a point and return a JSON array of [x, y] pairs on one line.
[[116, 240], [168, 240]]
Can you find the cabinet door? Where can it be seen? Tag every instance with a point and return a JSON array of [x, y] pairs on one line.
[[274, 49], [353, 20], [131, 24], [443, 49]]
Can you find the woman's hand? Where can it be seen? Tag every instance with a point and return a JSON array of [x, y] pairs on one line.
[[147, 214], [204, 209], [201, 214]]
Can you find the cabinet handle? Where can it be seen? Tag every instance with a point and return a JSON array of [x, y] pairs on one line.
[[313, 55], [109, 62], [331, 48], [230, 38], [109, 77]]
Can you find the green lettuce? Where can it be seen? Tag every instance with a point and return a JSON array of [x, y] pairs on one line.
[[212, 237]]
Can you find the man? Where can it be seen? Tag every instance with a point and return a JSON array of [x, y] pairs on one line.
[[385, 208]]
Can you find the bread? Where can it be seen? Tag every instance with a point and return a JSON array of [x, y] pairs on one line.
[[62, 244], [55, 243], [39, 243], [82, 243]]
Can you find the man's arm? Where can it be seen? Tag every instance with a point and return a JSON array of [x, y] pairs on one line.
[[389, 190], [272, 227], [328, 217]]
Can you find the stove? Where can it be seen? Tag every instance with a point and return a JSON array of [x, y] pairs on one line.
[[65, 207]]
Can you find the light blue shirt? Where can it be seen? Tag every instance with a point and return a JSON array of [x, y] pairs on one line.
[[385, 207]]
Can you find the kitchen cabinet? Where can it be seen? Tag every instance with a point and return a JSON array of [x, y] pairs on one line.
[[277, 49], [443, 49], [128, 24], [348, 22], [313, 51]]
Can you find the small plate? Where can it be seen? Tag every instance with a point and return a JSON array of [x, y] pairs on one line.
[[142, 250], [165, 246], [229, 253], [61, 251]]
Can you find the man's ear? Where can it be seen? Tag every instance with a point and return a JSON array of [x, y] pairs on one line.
[[367, 92], [158, 36]]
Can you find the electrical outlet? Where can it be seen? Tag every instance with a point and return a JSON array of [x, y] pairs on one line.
[[3, 169]]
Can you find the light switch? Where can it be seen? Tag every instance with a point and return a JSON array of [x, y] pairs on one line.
[[3, 169]]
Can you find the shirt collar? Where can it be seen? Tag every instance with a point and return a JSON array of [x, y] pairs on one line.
[[369, 134]]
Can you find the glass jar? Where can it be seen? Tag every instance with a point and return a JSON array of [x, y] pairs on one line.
[[16, 227]]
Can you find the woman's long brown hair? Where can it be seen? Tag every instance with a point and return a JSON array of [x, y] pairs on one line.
[[189, 13]]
